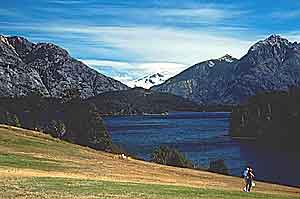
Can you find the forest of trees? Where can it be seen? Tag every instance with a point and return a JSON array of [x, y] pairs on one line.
[[70, 119], [270, 118]]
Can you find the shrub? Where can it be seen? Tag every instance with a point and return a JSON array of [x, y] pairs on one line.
[[172, 157], [57, 128], [9, 119], [218, 166]]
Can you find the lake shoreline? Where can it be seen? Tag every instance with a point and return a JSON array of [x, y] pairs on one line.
[[202, 137]]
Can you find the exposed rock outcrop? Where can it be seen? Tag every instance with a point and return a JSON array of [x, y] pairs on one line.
[[47, 69]]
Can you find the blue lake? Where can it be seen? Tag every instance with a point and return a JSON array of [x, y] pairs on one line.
[[202, 137]]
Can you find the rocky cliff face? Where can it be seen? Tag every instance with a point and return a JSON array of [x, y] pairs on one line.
[[271, 64], [47, 69]]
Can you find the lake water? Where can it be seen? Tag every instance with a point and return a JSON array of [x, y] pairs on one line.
[[202, 137]]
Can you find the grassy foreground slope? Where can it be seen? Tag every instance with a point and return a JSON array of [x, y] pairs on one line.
[[35, 165]]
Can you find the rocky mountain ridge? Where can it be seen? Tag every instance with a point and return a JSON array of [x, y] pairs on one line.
[[47, 69], [201, 82], [271, 64]]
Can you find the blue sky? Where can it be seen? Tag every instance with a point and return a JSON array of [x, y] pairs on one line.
[[129, 39]]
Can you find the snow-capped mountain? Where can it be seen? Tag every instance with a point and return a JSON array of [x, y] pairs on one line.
[[149, 80]]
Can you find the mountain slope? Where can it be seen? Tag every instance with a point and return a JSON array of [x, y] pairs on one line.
[[47, 69], [271, 64], [202, 82], [140, 101], [35, 165], [15, 77]]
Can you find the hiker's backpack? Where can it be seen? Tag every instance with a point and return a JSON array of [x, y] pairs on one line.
[[244, 174]]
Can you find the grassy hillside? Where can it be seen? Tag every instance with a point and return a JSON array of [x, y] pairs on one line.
[[35, 165]]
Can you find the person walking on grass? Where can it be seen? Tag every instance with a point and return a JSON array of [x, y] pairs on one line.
[[250, 177], [245, 173]]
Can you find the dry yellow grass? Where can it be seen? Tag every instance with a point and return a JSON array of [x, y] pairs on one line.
[[65, 160]]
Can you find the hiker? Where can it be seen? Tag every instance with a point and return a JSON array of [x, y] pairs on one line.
[[250, 177], [245, 172]]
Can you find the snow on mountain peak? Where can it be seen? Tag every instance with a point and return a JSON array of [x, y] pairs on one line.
[[149, 80], [211, 63], [227, 58]]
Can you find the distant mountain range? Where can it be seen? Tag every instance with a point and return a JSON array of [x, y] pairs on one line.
[[47, 69], [271, 64], [150, 80]]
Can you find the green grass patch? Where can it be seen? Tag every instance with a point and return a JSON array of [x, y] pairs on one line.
[[29, 162], [33, 143], [45, 187]]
